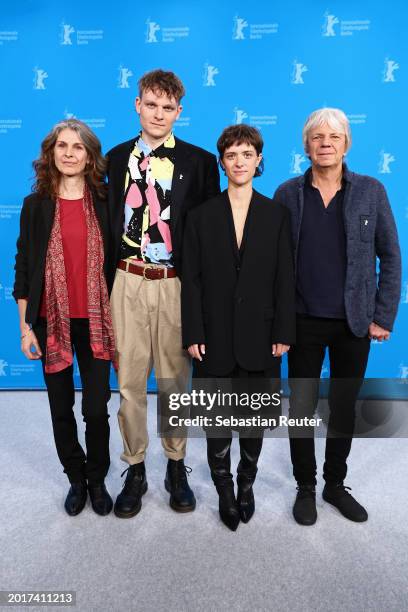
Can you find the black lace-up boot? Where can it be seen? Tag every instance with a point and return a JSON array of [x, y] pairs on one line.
[[129, 501], [181, 496]]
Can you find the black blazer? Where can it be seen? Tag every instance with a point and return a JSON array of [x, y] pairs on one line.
[[36, 221], [195, 179], [238, 309]]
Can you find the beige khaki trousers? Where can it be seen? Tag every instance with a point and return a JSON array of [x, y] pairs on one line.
[[147, 324]]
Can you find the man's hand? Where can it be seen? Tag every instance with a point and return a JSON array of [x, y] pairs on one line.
[[195, 351], [375, 332], [279, 349], [29, 341]]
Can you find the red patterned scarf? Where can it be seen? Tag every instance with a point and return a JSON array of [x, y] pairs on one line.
[[59, 350]]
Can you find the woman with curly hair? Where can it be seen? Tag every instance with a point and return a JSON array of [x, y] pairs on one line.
[[62, 285]]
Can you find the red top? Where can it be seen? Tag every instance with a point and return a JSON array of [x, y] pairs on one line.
[[74, 244]]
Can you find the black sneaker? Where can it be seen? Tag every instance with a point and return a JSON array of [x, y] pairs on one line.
[[304, 508], [129, 501], [181, 496], [338, 496]]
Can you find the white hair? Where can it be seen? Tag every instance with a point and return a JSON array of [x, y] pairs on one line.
[[334, 117]]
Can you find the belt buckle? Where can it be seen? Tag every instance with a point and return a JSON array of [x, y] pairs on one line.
[[144, 272]]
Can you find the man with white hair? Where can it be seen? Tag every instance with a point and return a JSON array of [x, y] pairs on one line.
[[341, 221]]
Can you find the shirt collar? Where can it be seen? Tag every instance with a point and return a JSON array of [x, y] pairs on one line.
[[308, 177], [146, 149]]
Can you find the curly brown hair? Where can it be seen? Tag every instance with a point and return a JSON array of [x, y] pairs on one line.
[[47, 176], [162, 81]]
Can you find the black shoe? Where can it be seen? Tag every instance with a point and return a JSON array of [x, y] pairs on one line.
[[228, 506], [181, 496], [129, 501], [304, 509], [338, 496], [76, 498], [245, 498], [100, 499]]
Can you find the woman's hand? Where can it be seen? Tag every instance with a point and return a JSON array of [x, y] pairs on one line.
[[195, 351], [29, 340], [279, 349]]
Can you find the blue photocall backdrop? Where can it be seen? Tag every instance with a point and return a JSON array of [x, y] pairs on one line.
[[268, 64]]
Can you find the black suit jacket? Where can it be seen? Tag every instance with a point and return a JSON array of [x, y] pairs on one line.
[[238, 309], [36, 221], [195, 179]]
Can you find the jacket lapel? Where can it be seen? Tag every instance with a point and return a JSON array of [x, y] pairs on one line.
[[231, 226], [117, 173], [119, 166], [180, 180], [48, 210], [348, 207], [100, 207]]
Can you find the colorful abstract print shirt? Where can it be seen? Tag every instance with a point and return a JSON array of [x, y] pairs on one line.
[[149, 175]]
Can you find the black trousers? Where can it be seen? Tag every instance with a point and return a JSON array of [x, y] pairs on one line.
[[348, 361], [250, 445], [94, 373]]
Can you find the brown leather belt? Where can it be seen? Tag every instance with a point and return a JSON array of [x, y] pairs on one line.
[[148, 272]]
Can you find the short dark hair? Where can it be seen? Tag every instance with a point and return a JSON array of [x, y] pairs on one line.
[[162, 81], [239, 134]]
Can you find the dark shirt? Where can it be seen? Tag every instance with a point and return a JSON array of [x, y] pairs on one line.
[[321, 264]]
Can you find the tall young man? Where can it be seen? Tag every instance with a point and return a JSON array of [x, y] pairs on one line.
[[154, 179], [341, 222]]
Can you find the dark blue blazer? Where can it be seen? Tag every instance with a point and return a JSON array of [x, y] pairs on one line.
[[370, 233]]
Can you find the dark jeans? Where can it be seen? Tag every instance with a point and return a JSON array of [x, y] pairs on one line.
[[250, 443], [94, 373], [348, 361]]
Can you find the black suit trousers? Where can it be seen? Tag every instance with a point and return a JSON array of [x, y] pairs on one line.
[[78, 465], [250, 443], [348, 356]]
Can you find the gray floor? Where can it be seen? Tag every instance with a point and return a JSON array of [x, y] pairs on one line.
[[161, 560]]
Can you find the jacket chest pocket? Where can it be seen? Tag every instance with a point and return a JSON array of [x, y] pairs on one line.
[[366, 228]]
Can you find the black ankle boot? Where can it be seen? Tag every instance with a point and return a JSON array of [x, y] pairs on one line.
[[76, 498], [245, 497], [304, 508], [181, 496], [101, 501], [228, 506], [129, 501]]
